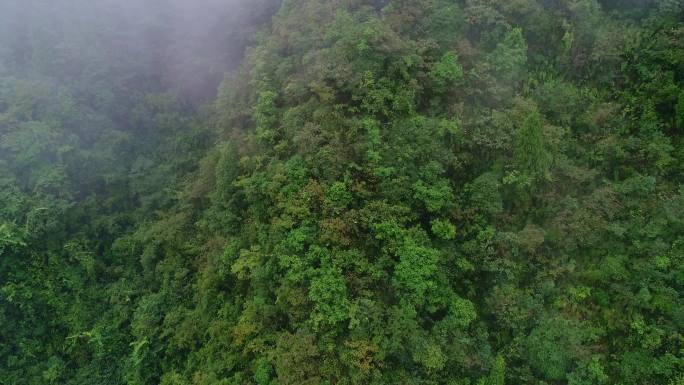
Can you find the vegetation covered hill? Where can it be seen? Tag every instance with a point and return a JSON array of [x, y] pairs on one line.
[[442, 192]]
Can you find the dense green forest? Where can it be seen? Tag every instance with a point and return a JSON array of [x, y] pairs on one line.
[[342, 192]]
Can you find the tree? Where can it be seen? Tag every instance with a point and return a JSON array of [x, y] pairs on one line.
[[532, 157]]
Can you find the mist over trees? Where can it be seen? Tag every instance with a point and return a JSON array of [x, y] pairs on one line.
[[443, 192], [186, 46]]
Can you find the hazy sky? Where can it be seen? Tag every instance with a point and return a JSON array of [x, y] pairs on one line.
[[190, 44]]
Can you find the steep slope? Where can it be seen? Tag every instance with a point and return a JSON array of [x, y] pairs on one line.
[[434, 192], [386, 192]]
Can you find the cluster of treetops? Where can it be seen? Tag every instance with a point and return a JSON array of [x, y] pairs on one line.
[[424, 192]]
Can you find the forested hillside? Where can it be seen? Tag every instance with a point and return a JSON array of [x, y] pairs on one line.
[[428, 192]]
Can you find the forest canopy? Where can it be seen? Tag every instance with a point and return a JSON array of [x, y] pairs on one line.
[[342, 192]]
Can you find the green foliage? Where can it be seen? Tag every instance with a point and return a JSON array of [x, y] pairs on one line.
[[532, 157], [679, 111], [591, 372], [9, 238], [550, 347], [485, 195], [446, 72], [496, 373], [265, 116], [510, 54], [385, 192], [417, 265], [328, 292], [443, 229], [434, 191], [338, 196]]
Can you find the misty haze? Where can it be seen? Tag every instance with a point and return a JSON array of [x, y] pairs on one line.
[[342, 192]]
